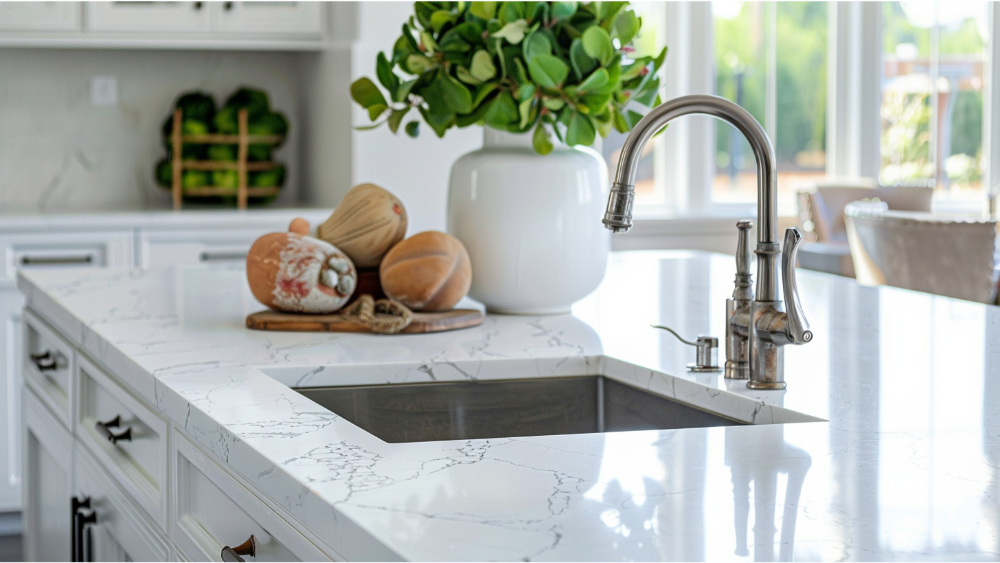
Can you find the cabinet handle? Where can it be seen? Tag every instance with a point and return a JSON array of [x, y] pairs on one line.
[[228, 6], [197, 5], [80, 520], [248, 547], [51, 260], [221, 256], [44, 361], [103, 429]]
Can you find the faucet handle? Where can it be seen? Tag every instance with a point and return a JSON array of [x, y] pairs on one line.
[[798, 327], [743, 256]]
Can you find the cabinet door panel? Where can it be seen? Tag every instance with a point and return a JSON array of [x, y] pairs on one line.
[[268, 17], [122, 532], [48, 478], [39, 16], [147, 16]]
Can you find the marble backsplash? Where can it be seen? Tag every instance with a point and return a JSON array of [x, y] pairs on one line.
[[60, 152]]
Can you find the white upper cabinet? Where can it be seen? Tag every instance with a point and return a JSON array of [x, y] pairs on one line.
[[268, 17], [148, 16], [39, 16]]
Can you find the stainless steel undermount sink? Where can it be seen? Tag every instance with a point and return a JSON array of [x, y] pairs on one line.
[[426, 412]]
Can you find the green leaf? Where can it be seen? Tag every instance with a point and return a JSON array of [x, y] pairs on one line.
[[525, 91], [626, 26], [396, 117], [548, 71], [438, 122], [597, 44], [581, 61], [536, 44], [476, 116], [540, 140], [525, 110], [483, 68], [455, 95], [658, 61], [408, 35], [419, 64], [483, 10], [522, 75], [580, 130], [404, 90], [376, 110], [620, 124], [465, 76], [513, 32], [563, 10], [383, 69], [428, 42], [413, 129], [441, 18], [609, 10], [554, 104], [501, 112], [596, 80], [366, 93], [481, 94], [511, 12]]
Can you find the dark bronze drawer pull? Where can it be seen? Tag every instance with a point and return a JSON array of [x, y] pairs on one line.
[[80, 552], [103, 428], [248, 547], [55, 260], [44, 361]]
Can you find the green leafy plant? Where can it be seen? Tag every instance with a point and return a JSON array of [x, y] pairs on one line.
[[545, 67]]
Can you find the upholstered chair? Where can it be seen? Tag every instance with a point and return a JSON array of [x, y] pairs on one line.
[[944, 255], [821, 209]]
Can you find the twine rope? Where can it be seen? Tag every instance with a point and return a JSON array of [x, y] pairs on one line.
[[385, 316]]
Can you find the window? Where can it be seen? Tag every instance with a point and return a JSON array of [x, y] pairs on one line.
[[771, 58], [932, 97]]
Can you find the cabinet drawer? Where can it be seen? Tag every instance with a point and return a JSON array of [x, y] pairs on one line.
[[126, 437], [212, 510], [63, 250], [121, 531], [48, 365]]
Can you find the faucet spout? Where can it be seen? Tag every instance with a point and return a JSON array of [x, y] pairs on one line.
[[618, 216]]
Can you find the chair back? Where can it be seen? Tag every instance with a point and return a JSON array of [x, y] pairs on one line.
[[948, 256], [823, 203]]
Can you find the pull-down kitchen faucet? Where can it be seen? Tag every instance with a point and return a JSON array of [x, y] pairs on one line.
[[756, 328]]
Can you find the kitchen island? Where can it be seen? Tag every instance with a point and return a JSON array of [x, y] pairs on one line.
[[886, 444]]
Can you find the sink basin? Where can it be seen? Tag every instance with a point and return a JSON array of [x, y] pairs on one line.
[[426, 412]]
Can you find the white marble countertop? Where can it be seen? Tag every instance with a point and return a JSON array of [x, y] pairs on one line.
[[904, 462]]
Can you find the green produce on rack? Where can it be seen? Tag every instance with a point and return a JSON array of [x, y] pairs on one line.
[[164, 172], [191, 179], [267, 178], [225, 179], [224, 153]]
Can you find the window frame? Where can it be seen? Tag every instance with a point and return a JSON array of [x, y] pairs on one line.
[[686, 157]]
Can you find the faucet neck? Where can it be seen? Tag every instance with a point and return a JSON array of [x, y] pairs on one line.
[[619, 211]]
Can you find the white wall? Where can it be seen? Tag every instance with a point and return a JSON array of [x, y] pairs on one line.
[[59, 152], [416, 170]]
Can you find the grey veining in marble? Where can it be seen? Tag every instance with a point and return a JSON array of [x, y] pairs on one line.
[[893, 454]]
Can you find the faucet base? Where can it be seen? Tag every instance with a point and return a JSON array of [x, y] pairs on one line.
[[766, 385], [736, 371]]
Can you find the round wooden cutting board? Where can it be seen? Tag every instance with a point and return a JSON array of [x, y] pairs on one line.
[[421, 323]]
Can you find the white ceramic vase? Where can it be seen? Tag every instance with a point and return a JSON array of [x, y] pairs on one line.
[[531, 223]]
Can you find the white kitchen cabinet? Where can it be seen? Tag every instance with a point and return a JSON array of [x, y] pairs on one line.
[[119, 530], [40, 16], [148, 16], [268, 17], [168, 248], [63, 250], [11, 304], [48, 483]]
